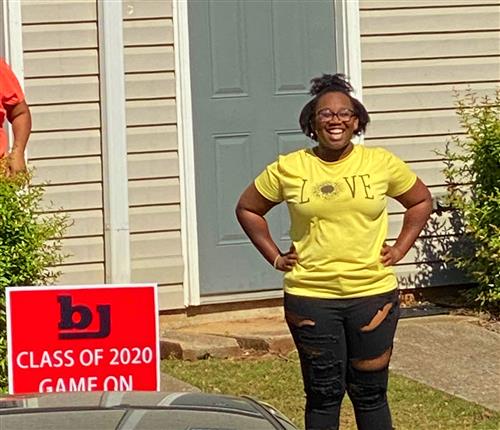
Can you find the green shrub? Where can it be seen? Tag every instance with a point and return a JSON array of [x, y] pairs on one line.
[[30, 244], [473, 176]]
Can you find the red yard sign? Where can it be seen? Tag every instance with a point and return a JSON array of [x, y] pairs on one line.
[[83, 338]]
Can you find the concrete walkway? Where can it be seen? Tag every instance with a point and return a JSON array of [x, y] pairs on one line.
[[450, 353]]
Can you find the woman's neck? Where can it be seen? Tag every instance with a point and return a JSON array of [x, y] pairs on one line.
[[331, 155]]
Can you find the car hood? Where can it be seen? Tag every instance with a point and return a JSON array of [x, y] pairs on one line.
[[137, 410]]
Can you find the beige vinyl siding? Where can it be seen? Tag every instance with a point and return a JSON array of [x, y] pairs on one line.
[[62, 87], [153, 162], [414, 56]]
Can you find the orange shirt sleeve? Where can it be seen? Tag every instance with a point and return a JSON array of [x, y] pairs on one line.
[[10, 90], [11, 94]]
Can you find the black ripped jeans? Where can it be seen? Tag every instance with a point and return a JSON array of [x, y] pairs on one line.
[[332, 336]]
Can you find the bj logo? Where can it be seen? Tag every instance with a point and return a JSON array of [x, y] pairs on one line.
[[69, 329]]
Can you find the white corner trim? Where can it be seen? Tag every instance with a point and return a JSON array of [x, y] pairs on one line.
[[114, 142], [12, 49], [3, 29], [13, 37], [347, 29], [189, 231]]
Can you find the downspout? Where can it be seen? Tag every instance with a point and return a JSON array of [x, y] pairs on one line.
[[114, 142]]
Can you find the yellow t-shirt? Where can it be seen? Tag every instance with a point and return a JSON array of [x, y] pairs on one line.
[[338, 218]]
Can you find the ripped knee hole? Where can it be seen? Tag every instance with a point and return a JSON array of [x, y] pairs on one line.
[[373, 364], [380, 316], [298, 320]]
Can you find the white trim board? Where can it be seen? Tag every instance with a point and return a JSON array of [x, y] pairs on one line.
[[348, 50], [12, 46], [3, 27], [242, 297], [347, 30], [13, 37]]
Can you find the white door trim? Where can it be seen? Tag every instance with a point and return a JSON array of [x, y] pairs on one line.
[[348, 58], [348, 33], [189, 231]]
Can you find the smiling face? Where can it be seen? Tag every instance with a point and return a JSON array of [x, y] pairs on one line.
[[334, 133]]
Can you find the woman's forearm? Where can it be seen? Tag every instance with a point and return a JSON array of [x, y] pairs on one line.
[[21, 128], [257, 229], [414, 221]]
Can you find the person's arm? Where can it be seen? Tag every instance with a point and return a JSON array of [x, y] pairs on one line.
[[250, 211], [20, 117], [418, 203]]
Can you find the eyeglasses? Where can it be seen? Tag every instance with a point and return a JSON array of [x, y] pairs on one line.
[[325, 115]]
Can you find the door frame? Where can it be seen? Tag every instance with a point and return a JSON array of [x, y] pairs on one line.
[[348, 57]]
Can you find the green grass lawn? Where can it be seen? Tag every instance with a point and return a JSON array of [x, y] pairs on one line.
[[277, 381]]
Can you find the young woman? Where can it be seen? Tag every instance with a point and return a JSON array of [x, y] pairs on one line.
[[341, 303], [13, 108]]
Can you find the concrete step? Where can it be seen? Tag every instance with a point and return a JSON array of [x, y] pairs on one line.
[[191, 346], [222, 339]]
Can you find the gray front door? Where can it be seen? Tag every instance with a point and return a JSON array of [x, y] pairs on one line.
[[251, 63]]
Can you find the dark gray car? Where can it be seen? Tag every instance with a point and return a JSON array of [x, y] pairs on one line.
[[138, 411]]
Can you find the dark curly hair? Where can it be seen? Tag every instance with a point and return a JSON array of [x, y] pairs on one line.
[[326, 84]]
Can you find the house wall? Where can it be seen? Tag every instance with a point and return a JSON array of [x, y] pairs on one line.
[[414, 54], [61, 67], [61, 56]]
